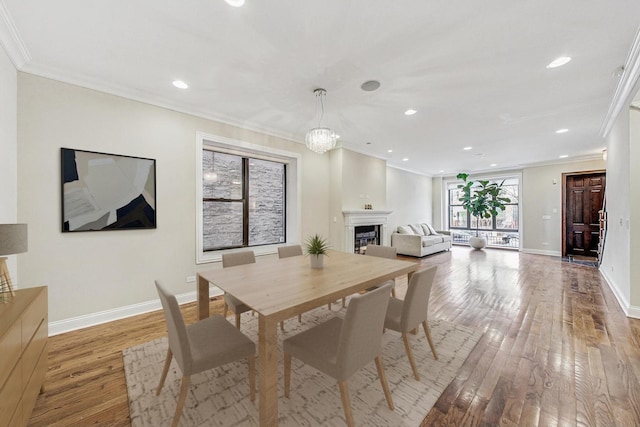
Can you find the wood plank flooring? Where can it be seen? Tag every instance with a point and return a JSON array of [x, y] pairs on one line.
[[557, 350]]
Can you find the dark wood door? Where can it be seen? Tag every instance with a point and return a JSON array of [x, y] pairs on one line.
[[584, 194]]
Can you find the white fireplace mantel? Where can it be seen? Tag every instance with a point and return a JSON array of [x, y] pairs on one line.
[[360, 217]]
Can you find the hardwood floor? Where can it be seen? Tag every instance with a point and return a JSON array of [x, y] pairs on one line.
[[557, 350]]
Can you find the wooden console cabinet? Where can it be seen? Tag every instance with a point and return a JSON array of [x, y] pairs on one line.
[[23, 354]]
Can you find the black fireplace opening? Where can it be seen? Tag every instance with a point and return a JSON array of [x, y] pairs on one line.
[[365, 235]]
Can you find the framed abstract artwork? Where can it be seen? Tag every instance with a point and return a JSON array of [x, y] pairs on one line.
[[103, 191]]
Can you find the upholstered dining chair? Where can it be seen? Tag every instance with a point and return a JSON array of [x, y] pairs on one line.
[[287, 252], [201, 346], [237, 306], [383, 252], [231, 302], [406, 315], [339, 347]]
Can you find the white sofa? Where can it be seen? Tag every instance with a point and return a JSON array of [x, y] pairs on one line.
[[420, 240]]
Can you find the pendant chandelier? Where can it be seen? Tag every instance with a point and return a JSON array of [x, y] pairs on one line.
[[320, 139]]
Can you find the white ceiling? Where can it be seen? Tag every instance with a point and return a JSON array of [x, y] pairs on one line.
[[474, 70]]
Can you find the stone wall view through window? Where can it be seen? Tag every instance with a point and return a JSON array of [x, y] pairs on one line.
[[244, 201]]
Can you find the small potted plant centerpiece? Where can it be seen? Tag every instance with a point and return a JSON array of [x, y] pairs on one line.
[[316, 247], [481, 199]]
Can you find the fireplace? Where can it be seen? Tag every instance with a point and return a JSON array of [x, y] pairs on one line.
[[365, 235], [364, 227]]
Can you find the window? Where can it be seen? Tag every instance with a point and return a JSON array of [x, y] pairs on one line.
[[247, 197], [502, 228], [243, 201]]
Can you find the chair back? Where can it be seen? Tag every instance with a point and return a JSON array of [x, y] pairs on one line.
[[238, 258], [289, 251], [178, 337], [382, 251], [361, 334], [416, 300]]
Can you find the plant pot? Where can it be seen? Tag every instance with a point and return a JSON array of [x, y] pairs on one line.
[[317, 261], [477, 242]]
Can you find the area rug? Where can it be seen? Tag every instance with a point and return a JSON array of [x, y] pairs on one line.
[[220, 397]]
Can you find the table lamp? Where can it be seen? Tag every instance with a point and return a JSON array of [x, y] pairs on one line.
[[13, 240]]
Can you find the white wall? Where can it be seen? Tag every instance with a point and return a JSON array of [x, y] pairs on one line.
[[8, 152], [616, 258], [541, 197], [409, 196], [363, 181], [99, 271]]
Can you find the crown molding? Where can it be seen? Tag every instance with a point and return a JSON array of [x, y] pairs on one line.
[[11, 40], [627, 87], [110, 88]]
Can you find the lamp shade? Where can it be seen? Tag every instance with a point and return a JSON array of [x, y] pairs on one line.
[[13, 239]]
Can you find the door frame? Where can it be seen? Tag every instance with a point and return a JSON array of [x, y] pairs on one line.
[[564, 201]]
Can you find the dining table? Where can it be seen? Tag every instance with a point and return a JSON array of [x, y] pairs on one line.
[[279, 289]]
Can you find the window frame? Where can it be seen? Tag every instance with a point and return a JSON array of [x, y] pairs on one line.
[[293, 199], [449, 185]]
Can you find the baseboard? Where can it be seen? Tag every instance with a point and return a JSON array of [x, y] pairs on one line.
[[541, 252], [93, 319], [628, 309]]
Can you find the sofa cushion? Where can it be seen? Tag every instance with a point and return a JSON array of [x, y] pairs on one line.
[[425, 229], [417, 229], [431, 240], [445, 237], [404, 229]]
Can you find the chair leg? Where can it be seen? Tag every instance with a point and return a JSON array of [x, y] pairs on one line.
[[167, 363], [407, 346], [252, 378], [184, 387], [344, 302], [329, 306], [287, 373], [299, 318], [383, 381], [427, 332], [282, 326], [238, 320], [346, 402], [393, 292], [226, 309]]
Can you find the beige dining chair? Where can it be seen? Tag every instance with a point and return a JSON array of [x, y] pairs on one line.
[[383, 252], [287, 252], [201, 346], [231, 302], [406, 315], [237, 306], [339, 347]]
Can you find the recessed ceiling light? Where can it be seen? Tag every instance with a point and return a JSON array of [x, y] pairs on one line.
[[562, 130], [337, 136], [442, 171], [564, 156], [558, 62], [405, 159], [410, 112], [493, 165], [235, 3], [389, 151], [180, 84], [467, 148]]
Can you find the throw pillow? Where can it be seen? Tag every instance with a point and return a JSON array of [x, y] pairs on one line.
[[433, 230], [425, 229], [404, 229], [417, 229]]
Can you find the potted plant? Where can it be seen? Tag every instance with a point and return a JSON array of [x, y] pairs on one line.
[[481, 199], [316, 247]]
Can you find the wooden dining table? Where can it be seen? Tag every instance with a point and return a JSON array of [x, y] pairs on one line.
[[279, 289]]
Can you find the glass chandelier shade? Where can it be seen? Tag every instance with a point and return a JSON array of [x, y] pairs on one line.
[[320, 139]]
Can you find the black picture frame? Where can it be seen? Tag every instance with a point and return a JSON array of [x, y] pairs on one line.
[[103, 191]]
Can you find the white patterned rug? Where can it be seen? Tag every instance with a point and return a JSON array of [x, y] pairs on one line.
[[220, 397]]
